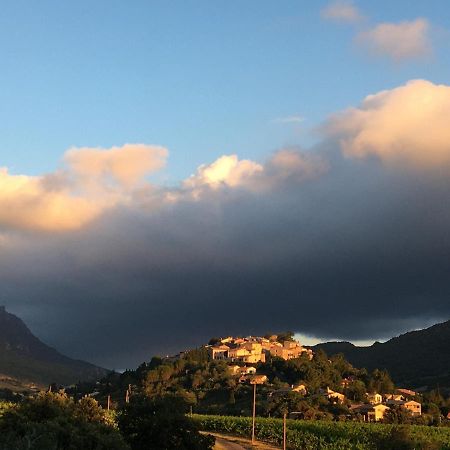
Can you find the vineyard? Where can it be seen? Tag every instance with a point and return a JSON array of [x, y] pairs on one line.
[[317, 435]]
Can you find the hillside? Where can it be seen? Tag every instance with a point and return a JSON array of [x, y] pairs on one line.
[[25, 358], [416, 358]]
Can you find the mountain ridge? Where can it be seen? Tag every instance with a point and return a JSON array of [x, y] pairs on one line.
[[26, 358], [417, 358]]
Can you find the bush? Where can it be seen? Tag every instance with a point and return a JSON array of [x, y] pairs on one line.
[[160, 424], [53, 421]]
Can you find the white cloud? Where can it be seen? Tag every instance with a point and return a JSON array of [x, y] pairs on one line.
[[93, 180], [342, 11], [398, 41], [227, 170], [27, 203], [408, 125], [126, 165], [286, 165]]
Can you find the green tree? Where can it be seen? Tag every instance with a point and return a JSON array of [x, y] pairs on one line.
[[286, 336], [380, 381], [53, 421], [160, 424], [398, 415], [356, 391]]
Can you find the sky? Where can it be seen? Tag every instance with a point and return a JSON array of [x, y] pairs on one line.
[[172, 171]]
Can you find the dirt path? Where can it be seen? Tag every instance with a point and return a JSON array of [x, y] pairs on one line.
[[225, 442]]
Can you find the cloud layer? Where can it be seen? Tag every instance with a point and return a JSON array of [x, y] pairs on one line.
[[348, 239]]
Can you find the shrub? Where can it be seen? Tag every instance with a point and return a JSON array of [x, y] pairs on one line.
[[53, 421]]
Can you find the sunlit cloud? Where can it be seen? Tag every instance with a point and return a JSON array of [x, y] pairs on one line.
[[90, 181], [126, 165], [227, 170], [405, 126], [283, 166]]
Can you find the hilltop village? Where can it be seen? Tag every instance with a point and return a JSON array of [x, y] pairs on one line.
[[254, 349], [242, 354], [223, 376]]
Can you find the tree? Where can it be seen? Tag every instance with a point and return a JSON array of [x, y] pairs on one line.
[[380, 381], [286, 336], [398, 415], [356, 391], [160, 424], [53, 421]]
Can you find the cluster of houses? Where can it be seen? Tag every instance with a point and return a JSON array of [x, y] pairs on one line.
[[376, 406], [372, 410], [238, 352], [251, 350]]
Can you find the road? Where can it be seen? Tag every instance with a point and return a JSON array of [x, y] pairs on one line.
[[223, 444]]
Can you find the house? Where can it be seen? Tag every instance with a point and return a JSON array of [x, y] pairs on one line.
[[371, 413], [253, 379], [333, 395], [414, 407], [288, 350], [406, 392], [235, 370], [258, 379], [219, 351], [238, 370], [374, 398], [249, 352], [396, 397], [249, 370], [300, 388]]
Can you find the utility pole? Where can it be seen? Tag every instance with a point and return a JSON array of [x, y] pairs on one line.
[[284, 431], [108, 405], [255, 380], [254, 414]]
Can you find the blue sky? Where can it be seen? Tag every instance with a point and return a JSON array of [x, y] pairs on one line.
[[202, 78]]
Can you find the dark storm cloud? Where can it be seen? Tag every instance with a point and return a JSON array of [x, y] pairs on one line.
[[350, 240], [359, 253]]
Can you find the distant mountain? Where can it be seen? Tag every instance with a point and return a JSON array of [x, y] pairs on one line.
[[416, 358], [25, 359]]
